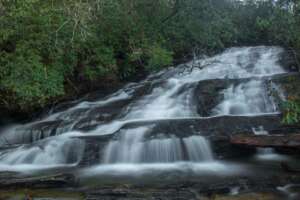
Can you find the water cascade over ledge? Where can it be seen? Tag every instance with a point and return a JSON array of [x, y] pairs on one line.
[[169, 95]]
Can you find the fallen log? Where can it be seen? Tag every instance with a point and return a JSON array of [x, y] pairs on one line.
[[265, 141]]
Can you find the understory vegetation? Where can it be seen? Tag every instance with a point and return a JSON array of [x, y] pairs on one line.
[[56, 49]]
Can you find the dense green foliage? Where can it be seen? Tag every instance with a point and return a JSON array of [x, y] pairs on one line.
[[292, 111], [49, 47]]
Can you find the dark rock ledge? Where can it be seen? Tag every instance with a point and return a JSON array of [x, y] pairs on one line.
[[238, 188]]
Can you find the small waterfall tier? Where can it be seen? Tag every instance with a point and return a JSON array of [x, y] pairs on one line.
[[133, 148]]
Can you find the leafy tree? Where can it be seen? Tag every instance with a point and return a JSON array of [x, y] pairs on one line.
[[48, 49]]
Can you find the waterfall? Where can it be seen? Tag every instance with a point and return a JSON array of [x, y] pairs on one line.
[[266, 153], [262, 151], [246, 98], [133, 148], [50, 152], [166, 95], [167, 101]]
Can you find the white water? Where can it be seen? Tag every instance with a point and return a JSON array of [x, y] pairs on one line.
[[164, 102], [207, 168], [133, 148], [267, 153], [238, 63], [170, 97], [167, 102], [61, 150], [246, 98]]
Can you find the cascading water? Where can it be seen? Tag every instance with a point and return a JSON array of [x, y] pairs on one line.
[[167, 95], [133, 148], [266, 153], [50, 152], [246, 98]]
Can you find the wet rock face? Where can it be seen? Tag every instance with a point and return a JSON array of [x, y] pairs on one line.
[[93, 152], [289, 84], [289, 61], [231, 189], [218, 130], [127, 194], [210, 93], [207, 95], [223, 149], [148, 194], [210, 127]]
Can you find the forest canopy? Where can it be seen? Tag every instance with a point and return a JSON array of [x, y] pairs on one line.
[[54, 49]]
